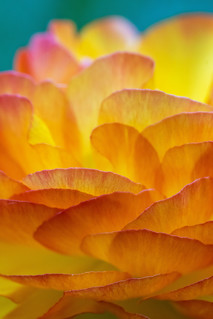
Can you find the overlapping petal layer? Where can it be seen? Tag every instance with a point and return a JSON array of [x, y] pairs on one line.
[[88, 165]]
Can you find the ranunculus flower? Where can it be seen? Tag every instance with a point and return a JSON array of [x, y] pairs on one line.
[[106, 188]]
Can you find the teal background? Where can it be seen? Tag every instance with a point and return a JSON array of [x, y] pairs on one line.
[[19, 19]]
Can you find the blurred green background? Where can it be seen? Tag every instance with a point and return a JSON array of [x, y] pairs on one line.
[[19, 19]]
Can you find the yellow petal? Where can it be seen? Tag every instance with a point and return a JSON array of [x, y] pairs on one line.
[[182, 48], [106, 36]]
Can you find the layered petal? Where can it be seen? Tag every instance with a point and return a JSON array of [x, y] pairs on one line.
[[130, 153], [58, 198], [89, 181], [106, 75], [73, 306], [133, 251], [201, 288], [201, 232], [19, 220], [112, 212], [70, 282], [194, 128], [10, 187], [182, 48], [182, 165], [17, 130], [193, 205], [141, 108]]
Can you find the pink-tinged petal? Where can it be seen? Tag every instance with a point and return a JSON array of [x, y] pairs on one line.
[[72, 281], [58, 198], [199, 289], [52, 106], [19, 220], [111, 212], [133, 250], [10, 187], [130, 153], [201, 232], [182, 48], [195, 309], [69, 307], [85, 180], [106, 75], [21, 61], [29, 307], [47, 59], [193, 205], [106, 36], [141, 108], [194, 127], [183, 164], [12, 82]]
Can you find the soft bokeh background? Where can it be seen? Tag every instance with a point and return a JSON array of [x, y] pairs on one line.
[[19, 19]]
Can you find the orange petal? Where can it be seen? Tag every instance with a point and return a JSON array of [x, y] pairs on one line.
[[112, 212], [106, 36], [199, 289], [12, 82], [89, 181], [9, 187], [133, 251], [130, 153], [49, 60], [58, 198], [202, 232], [141, 108], [126, 289], [183, 164], [193, 205], [21, 61], [196, 309], [18, 157], [171, 43], [194, 127], [106, 75], [19, 220], [71, 282]]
